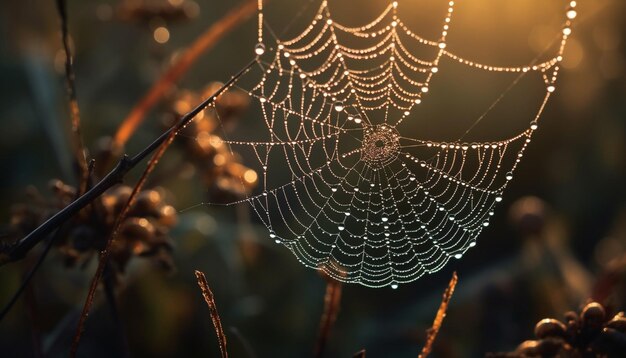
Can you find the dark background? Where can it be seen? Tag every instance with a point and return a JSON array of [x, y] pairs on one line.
[[269, 304]]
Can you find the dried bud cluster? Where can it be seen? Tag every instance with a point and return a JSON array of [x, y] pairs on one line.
[[588, 334], [144, 232], [219, 167]]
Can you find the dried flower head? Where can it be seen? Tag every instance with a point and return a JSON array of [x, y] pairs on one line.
[[220, 168], [144, 232]]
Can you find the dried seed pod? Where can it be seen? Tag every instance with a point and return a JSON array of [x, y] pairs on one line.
[[548, 347], [147, 204], [571, 316], [618, 323], [551, 347], [144, 232], [549, 327], [83, 237], [137, 229], [62, 190], [528, 348], [120, 194], [585, 335], [167, 216], [593, 315], [230, 104]]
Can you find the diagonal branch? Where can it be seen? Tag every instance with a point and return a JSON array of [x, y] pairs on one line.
[[104, 254], [159, 146], [115, 176]]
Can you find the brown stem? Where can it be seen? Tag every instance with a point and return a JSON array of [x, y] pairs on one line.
[[160, 146], [102, 264], [205, 42], [441, 314], [215, 317], [79, 147], [359, 354], [332, 300]]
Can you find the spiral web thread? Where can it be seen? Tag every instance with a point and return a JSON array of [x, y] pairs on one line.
[[361, 201]]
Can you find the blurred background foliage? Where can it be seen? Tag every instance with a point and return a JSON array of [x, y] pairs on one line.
[[558, 239]]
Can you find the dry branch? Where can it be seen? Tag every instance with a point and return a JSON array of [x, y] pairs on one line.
[[104, 255], [215, 317], [160, 145], [441, 314], [115, 176]]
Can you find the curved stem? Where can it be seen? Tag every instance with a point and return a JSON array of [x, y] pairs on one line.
[[27, 278], [160, 146]]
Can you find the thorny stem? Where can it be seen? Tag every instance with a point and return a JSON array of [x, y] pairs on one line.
[[70, 80], [115, 176], [205, 42], [441, 314], [332, 300], [215, 317]]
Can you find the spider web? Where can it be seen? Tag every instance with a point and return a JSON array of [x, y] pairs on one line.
[[343, 187]]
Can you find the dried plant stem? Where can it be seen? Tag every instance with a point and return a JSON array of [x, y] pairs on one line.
[[28, 277], [115, 176], [161, 148], [79, 147], [332, 300], [109, 291], [104, 254], [441, 314], [205, 42], [215, 317]]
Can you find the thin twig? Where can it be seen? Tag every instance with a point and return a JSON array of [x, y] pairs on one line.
[[441, 314], [115, 176], [29, 276], [104, 254], [215, 317], [109, 292], [160, 146], [332, 300], [70, 80], [359, 354], [205, 42]]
